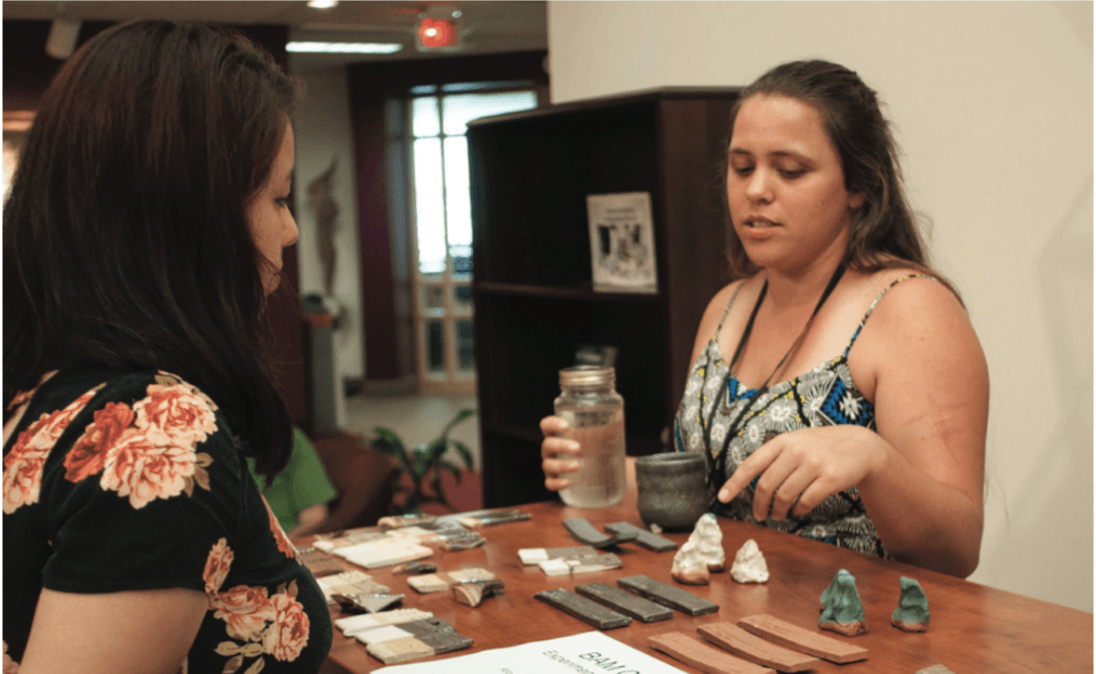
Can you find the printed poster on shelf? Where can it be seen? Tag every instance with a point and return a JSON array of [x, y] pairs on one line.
[[622, 242]]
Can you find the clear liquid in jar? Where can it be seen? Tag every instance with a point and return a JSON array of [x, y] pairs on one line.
[[599, 481]]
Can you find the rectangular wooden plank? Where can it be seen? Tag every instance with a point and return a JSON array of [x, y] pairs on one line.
[[586, 610], [705, 658], [738, 641], [643, 610], [803, 640], [668, 595]]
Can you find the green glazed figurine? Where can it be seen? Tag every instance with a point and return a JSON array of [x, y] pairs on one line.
[[912, 614], [842, 611]]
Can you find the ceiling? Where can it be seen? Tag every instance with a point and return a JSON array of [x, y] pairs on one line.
[[486, 26]]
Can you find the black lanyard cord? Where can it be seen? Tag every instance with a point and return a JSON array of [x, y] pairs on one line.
[[716, 474]]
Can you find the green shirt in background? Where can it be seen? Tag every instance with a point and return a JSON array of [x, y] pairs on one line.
[[303, 483]]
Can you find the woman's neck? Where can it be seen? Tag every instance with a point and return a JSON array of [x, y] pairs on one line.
[[792, 289]]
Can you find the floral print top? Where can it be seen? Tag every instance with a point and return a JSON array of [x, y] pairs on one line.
[[99, 474], [825, 395]]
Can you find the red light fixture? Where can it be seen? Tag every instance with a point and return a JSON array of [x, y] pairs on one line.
[[434, 33]]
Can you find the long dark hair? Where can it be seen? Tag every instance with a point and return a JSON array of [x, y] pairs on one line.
[[884, 232], [126, 239]]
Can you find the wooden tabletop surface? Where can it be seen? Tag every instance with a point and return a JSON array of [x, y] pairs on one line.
[[973, 628]]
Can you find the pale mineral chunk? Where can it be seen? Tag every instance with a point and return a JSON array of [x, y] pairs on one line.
[[709, 538], [749, 564], [690, 565]]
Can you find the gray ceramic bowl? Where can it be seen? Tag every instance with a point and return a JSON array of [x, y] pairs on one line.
[[671, 489]]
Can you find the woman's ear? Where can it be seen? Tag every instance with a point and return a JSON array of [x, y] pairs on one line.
[[856, 200]]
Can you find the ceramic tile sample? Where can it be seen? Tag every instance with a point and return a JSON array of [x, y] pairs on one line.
[[561, 567], [440, 582], [589, 612], [806, 641], [705, 658], [668, 595], [432, 636], [358, 623], [348, 583], [738, 641], [644, 538], [531, 556], [385, 552], [643, 610], [584, 532]]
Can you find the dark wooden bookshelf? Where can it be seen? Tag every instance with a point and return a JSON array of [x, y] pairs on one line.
[[534, 300]]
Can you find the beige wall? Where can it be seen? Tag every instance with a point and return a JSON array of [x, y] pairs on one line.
[[992, 103], [323, 133]]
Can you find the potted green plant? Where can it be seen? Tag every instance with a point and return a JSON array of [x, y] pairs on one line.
[[424, 466]]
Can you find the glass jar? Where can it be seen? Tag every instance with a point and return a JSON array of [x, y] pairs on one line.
[[595, 412]]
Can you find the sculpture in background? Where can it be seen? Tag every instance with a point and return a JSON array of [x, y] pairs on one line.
[[326, 210]]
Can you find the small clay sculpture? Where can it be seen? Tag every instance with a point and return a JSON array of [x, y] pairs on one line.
[[710, 541], [749, 564], [701, 555], [912, 614], [690, 567], [842, 611]]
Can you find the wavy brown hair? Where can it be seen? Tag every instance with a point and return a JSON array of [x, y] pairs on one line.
[[885, 232], [126, 239]]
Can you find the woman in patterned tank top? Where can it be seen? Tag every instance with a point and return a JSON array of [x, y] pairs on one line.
[[815, 420]]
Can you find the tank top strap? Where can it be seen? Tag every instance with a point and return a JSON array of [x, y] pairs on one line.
[[876, 301], [727, 311]]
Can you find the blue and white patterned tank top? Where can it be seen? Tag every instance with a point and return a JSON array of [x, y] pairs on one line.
[[823, 396]]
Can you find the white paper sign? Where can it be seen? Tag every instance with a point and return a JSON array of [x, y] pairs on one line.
[[622, 243], [587, 653]]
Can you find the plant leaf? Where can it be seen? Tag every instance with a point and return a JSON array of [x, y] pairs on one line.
[[452, 468], [465, 453], [461, 416], [387, 441]]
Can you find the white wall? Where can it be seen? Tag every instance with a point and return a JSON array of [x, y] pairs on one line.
[[323, 133], [992, 103]]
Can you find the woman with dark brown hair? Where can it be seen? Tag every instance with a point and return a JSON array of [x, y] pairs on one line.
[[815, 420], [142, 237]]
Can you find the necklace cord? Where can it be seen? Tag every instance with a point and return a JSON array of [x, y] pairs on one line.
[[732, 430]]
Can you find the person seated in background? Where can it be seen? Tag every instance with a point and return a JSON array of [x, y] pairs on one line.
[[298, 496], [815, 420]]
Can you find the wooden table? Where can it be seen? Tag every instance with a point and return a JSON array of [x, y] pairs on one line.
[[973, 628]]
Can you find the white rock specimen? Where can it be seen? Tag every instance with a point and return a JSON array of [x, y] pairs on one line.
[[749, 564], [702, 554], [690, 567], [709, 538]]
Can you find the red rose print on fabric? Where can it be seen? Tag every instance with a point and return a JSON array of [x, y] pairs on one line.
[[148, 451], [24, 463], [284, 544], [23, 396], [258, 625], [89, 454], [288, 636], [217, 566], [10, 666], [174, 415], [144, 472], [246, 610]]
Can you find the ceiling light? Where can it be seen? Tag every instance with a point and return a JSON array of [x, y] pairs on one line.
[[323, 4], [343, 47]]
